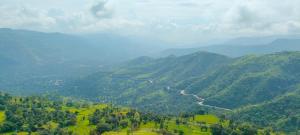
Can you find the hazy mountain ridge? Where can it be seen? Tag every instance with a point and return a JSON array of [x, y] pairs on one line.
[[31, 55], [28, 55], [238, 49]]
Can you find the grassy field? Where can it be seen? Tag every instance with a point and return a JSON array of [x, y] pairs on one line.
[[2, 117], [192, 128], [141, 131], [83, 127]]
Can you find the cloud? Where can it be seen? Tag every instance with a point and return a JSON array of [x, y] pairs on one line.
[[25, 17], [101, 10], [246, 16], [180, 20], [188, 4]]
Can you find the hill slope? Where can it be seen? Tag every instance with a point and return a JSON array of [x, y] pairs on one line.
[[249, 80], [222, 81], [281, 113], [147, 83], [41, 116], [155, 84]]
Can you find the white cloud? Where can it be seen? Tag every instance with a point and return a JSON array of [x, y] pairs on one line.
[[25, 17], [172, 20], [101, 10]]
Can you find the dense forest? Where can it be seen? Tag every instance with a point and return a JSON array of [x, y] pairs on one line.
[[63, 116], [245, 85]]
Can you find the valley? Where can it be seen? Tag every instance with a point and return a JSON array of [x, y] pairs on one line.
[[259, 91], [149, 67]]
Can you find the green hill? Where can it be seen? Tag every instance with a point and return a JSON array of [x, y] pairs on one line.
[[281, 113], [155, 84], [41, 116], [147, 83], [222, 81], [249, 80]]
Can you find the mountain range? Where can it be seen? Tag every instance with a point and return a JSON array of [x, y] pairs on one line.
[[254, 83], [238, 48], [35, 61]]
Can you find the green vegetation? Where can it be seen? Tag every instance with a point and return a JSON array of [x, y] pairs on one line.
[[32, 62], [281, 113], [2, 117], [155, 84], [149, 84], [41, 116], [250, 80], [260, 90]]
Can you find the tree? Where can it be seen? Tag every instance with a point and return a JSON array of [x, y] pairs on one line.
[[181, 132], [2, 107], [248, 129], [123, 124], [216, 129], [103, 127], [8, 126], [177, 122]]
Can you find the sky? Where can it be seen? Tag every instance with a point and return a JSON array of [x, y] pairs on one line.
[[168, 20]]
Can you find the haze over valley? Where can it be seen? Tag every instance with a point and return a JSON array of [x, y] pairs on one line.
[[148, 67]]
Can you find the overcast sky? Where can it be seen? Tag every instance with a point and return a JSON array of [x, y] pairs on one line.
[[170, 20]]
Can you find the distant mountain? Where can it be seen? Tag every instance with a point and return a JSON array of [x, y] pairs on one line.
[[260, 40], [40, 48], [35, 61], [239, 48], [116, 48], [244, 41]]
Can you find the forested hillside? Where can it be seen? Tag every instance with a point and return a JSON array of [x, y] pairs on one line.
[[220, 80], [41, 116], [155, 84], [147, 83], [249, 80], [281, 113]]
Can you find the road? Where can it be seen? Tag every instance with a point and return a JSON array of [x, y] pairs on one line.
[[200, 101]]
